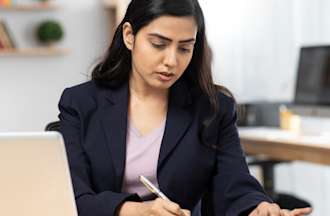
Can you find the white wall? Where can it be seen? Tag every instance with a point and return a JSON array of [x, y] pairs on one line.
[[30, 87], [253, 42], [256, 45]]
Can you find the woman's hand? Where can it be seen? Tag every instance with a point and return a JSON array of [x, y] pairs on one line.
[[161, 207], [157, 207], [272, 209]]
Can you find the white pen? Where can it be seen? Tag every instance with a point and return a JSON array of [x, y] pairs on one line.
[[152, 187]]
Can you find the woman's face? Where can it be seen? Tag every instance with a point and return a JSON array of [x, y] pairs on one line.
[[162, 50]]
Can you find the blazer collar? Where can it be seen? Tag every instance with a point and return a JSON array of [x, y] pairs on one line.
[[116, 95], [113, 117], [114, 120], [177, 121]]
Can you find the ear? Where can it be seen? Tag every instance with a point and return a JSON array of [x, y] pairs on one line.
[[128, 35]]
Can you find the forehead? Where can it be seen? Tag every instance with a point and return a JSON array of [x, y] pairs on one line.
[[175, 28]]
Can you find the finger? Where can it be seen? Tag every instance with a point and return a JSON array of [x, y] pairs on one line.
[[264, 212], [160, 211], [254, 213], [159, 208], [269, 209], [261, 209], [301, 211], [164, 212], [186, 212], [274, 210], [285, 212], [172, 207]]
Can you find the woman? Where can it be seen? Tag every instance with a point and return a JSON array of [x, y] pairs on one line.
[[152, 109]]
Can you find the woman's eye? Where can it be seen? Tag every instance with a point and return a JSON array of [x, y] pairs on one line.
[[158, 46], [184, 50]]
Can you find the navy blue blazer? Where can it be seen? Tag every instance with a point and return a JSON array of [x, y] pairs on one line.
[[93, 121]]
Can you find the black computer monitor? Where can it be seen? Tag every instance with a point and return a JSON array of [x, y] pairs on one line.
[[313, 78]]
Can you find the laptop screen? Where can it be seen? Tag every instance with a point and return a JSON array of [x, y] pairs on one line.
[[35, 178], [313, 78]]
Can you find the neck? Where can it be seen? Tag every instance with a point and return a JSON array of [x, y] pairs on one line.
[[142, 91], [145, 100]]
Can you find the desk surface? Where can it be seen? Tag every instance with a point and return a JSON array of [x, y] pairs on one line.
[[284, 145]]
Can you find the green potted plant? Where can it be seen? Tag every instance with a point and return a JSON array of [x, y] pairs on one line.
[[49, 32]]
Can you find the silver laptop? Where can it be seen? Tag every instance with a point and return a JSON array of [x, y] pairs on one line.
[[34, 175]]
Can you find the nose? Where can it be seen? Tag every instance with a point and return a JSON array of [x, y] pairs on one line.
[[170, 58]]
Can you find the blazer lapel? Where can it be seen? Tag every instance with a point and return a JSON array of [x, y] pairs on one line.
[[114, 120], [177, 122]]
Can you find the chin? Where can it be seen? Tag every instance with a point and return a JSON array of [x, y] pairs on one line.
[[168, 84], [155, 83], [161, 86]]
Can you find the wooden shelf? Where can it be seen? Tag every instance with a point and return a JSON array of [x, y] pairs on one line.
[[40, 51], [30, 7]]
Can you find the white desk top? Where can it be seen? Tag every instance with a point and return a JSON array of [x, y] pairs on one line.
[[278, 135]]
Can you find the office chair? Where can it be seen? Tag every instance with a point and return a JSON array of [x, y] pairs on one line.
[[53, 126], [266, 114]]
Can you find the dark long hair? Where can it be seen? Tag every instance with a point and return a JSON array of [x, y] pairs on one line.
[[115, 68]]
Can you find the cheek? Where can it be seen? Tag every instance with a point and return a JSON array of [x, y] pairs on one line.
[[145, 57]]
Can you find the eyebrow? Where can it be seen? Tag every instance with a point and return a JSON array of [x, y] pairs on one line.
[[170, 40]]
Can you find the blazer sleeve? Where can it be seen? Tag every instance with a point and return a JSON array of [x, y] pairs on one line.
[[233, 191], [89, 203]]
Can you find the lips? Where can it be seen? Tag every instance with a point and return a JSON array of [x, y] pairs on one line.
[[165, 76]]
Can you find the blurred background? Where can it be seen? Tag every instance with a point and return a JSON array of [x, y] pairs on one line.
[[51, 45]]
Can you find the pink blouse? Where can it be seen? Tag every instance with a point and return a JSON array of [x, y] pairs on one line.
[[142, 152]]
